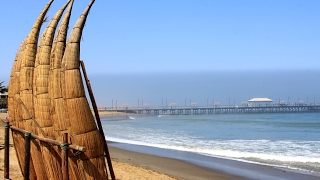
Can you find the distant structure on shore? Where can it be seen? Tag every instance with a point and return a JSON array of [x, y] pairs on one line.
[[254, 105], [259, 102]]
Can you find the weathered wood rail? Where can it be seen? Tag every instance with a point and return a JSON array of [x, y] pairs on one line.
[[27, 136]]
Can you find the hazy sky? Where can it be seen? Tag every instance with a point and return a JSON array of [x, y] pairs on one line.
[[165, 36]]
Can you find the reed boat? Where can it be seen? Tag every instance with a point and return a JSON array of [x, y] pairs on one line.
[[46, 97]]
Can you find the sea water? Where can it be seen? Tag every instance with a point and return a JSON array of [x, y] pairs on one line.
[[290, 140]]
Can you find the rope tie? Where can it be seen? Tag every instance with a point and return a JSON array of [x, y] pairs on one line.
[[27, 134], [6, 126], [77, 153], [64, 146]]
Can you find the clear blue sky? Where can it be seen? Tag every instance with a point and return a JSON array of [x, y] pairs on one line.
[[181, 35], [165, 36]]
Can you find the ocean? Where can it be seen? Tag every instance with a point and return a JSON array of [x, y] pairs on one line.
[[289, 140]]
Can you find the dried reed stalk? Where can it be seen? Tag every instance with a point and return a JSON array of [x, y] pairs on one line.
[[27, 65], [47, 96], [41, 72], [57, 108], [15, 109], [41, 97], [82, 125], [13, 105], [14, 86], [26, 89]]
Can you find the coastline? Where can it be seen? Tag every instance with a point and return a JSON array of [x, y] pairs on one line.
[[140, 162], [171, 167], [199, 166], [129, 165]]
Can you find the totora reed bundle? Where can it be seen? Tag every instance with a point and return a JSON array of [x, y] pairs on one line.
[[23, 97], [82, 125], [46, 97], [26, 91], [50, 154], [57, 108]]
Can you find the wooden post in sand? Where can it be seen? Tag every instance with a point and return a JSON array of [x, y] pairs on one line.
[[64, 157], [6, 151], [27, 137], [94, 105]]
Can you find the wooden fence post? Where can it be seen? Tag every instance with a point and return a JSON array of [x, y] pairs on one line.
[[27, 137], [6, 150], [64, 157]]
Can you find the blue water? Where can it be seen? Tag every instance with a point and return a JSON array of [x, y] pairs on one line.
[[284, 140]]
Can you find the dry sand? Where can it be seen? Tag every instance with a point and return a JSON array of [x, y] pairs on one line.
[[129, 165]]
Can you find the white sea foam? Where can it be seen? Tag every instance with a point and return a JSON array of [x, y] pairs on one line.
[[235, 153], [198, 135]]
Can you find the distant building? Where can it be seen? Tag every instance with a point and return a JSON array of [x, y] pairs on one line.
[[3, 102], [257, 102], [3, 95]]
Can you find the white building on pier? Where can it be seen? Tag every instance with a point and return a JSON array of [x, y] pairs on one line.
[[259, 102]]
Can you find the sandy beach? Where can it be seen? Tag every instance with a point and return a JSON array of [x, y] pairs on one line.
[[130, 165]]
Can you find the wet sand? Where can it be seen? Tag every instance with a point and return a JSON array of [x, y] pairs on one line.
[[172, 167]]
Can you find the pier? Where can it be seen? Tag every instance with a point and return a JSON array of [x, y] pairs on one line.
[[206, 110]]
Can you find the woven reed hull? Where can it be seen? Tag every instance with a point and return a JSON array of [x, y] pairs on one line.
[[14, 87], [72, 84], [43, 53], [41, 79], [90, 164], [15, 111], [26, 78], [30, 52], [81, 119], [59, 117], [52, 160], [48, 98], [55, 84], [92, 141], [42, 114], [18, 141], [94, 172], [90, 169], [26, 102], [22, 88], [39, 165], [29, 125], [51, 157], [57, 54], [13, 95], [75, 172], [71, 56], [59, 44]]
